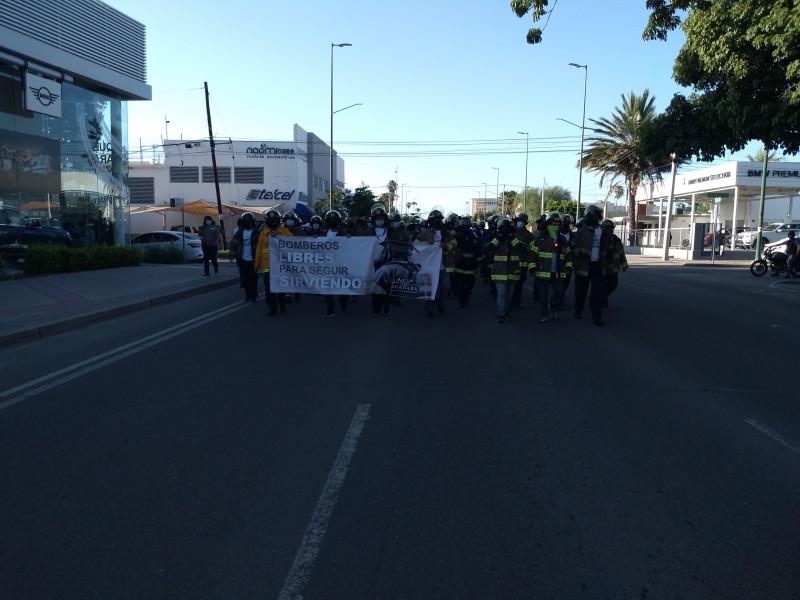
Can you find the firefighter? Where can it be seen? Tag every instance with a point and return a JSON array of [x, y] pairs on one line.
[[243, 245], [508, 253], [526, 237], [334, 227], [592, 255], [272, 227], [436, 233], [549, 263], [292, 223], [466, 254], [618, 263]]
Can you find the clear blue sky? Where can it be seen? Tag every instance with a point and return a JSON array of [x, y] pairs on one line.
[[445, 85]]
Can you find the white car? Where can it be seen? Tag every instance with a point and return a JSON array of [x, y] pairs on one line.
[[164, 240], [771, 233]]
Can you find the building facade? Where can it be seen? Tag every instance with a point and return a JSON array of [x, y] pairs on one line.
[[67, 71], [255, 174]]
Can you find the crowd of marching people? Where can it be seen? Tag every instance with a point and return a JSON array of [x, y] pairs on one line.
[[503, 252]]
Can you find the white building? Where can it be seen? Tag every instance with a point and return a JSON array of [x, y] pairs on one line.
[[254, 175]]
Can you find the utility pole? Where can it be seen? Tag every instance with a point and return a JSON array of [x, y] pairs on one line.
[[214, 168]]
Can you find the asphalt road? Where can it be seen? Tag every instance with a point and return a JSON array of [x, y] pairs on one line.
[[203, 450]]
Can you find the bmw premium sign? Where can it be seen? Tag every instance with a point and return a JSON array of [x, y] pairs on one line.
[[42, 95]]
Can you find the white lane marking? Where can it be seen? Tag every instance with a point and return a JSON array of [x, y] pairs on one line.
[[56, 378], [774, 435], [296, 580]]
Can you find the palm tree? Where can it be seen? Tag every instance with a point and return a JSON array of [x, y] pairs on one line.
[[617, 150], [772, 156], [392, 189]]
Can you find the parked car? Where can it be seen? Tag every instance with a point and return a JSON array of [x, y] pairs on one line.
[[164, 240], [771, 233], [18, 231]]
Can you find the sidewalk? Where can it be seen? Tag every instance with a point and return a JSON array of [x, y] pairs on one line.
[[36, 307]]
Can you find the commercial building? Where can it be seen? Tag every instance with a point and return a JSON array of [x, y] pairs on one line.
[[252, 175], [67, 71]]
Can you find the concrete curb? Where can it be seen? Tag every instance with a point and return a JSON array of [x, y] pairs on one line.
[[60, 326]]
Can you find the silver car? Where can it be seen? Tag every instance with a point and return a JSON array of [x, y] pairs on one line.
[[164, 240]]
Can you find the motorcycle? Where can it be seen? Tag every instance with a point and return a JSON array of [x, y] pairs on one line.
[[773, 259]]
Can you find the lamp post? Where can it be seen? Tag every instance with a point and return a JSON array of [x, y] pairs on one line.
[[166, 129], [497, 190], [333, 178], [583, 129], [525, 189]]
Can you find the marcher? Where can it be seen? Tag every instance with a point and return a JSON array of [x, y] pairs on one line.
[[540, 226], [466, 257], [437, 234], [508, 253], [381, 300], [618, 262], [272, 227], [526, 237], [334, 227], [244, 244], [210, 236], [293, 223], [566, 231], [592, 255], [549, 263]]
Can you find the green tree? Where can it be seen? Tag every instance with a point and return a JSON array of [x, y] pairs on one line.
[[555, 195], [322, 206], [508, 202], [617, 149], [742, 60], [360, 202]]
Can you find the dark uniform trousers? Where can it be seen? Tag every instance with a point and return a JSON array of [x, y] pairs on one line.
[[598, 292]]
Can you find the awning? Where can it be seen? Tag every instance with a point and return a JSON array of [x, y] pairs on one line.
[[303, 211]]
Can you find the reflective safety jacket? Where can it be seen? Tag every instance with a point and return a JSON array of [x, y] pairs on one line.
[[581, 244], [526, 237], [542, 250], [262, 250], [618, 261], [467, 253], [509, 254]]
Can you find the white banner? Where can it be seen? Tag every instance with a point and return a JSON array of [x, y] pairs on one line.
[[353, 266], [42, 95]]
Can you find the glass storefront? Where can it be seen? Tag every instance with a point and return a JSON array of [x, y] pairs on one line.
[[71, 171]]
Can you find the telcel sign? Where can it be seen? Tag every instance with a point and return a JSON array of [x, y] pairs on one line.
[[265, 151], [275, 194]]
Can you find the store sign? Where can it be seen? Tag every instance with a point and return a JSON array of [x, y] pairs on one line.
[[42, 95], [264, 151], [275, 194]]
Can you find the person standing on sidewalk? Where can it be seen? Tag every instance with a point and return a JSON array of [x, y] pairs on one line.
[[210, 236], [272, 227]]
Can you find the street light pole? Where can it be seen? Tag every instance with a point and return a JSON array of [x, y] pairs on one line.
[[497, 190], [333, 178], [525, 189], [583, 130]]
